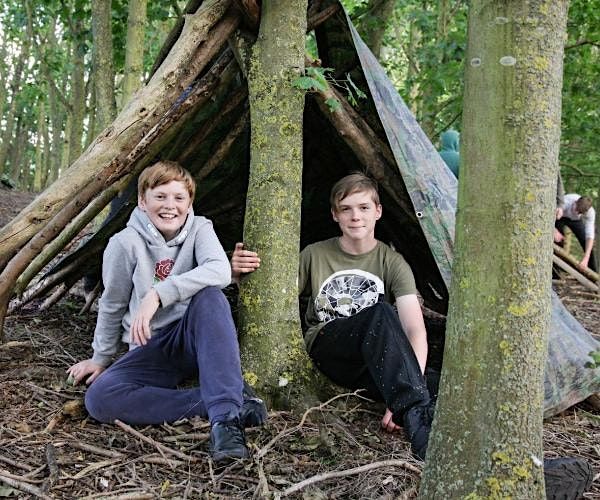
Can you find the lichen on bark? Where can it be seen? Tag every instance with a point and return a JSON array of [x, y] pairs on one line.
[[486, 440], [273, 355]]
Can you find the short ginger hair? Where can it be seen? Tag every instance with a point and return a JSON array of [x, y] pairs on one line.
[[163, 172], [353, 183]]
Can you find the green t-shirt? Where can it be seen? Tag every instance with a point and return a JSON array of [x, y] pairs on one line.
[[340, 284]]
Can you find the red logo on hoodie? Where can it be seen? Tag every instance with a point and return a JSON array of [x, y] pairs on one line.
[[162, 269]]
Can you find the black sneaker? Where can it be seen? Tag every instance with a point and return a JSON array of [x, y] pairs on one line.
[[417, 426], [567, 478], [253, 411], [227, 441]]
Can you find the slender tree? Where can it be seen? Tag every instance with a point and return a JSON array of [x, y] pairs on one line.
[[105, 108], [272, 350], [77, 83], [134, 49], [373, 22], [486, 440]]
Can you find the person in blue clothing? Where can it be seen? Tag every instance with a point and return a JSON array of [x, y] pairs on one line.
[[450, 150], [162, 279]]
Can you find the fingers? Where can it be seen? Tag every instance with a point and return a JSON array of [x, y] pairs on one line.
[[387, 423]]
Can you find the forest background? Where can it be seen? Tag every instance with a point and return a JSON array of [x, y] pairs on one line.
[[56, 92]]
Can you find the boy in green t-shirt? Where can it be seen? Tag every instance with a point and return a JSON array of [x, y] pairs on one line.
[[354, 335]]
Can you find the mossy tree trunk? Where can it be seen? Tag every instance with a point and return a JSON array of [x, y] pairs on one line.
[[273, 355], [104, 74], [486, 440]]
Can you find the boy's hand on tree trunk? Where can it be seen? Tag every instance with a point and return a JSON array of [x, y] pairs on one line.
[[243, 262]]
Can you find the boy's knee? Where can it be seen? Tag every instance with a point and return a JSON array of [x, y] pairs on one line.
[[211, 296], [98, 400]]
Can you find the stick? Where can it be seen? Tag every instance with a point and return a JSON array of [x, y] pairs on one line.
[[587, 272], [52, 465], [96, 450], [20, 485], [265, 449], [357, 470], [14, 463], [576, 274], [158, 446]]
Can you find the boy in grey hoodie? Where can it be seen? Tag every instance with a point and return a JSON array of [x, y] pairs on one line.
[[162, 277]]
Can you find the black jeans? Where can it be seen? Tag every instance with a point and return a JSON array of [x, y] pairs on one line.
[[578, 228], [371, 351]]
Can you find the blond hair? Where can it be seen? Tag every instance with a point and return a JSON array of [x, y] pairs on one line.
[[163, 172], [354, 183]]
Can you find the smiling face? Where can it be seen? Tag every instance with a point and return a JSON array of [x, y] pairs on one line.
[[356, 215], [167, 207]]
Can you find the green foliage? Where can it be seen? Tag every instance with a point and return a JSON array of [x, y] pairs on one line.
[[318, 79], [580, 155], [423, 55], [595, 363]]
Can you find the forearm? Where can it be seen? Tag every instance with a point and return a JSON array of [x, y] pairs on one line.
[[418, 341], [589, 246]]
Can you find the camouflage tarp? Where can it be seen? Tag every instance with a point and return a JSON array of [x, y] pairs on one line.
[[433, 190]]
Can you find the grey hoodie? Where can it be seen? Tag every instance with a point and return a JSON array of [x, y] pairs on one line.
[[137, 259]]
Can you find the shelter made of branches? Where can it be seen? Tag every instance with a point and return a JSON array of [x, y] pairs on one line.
[[194, 110]]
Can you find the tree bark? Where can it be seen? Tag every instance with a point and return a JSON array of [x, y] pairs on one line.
[[105, 108], [15, 87], [77, 101], [486, 440], [202, 39], [272, 350], [40, 145], [134, 49], [374, 22]]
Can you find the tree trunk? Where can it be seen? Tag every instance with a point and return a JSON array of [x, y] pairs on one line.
[[104, 74], [40, 145], [134, 49], [77, 92], [15, 88], [272, 348], [374, 22], [201, 40], [486, 440]]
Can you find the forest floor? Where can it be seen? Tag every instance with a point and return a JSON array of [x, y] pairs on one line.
[[50, 448]]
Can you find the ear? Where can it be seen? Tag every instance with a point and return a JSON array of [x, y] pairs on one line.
[[378, 212], [141, 203], [334, 216]]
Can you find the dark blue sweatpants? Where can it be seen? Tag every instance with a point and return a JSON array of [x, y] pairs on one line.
[[141, 387]]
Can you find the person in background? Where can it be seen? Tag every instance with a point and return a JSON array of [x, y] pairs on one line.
[[450, 150], [579, 216]]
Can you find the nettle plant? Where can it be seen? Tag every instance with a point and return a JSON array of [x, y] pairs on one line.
[[318, 80]]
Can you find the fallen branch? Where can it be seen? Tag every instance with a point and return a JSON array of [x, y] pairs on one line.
[[342, 473], [576, 274], [566, 256], [95, 449], [265, 449], [149, 440], [6, 478]]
